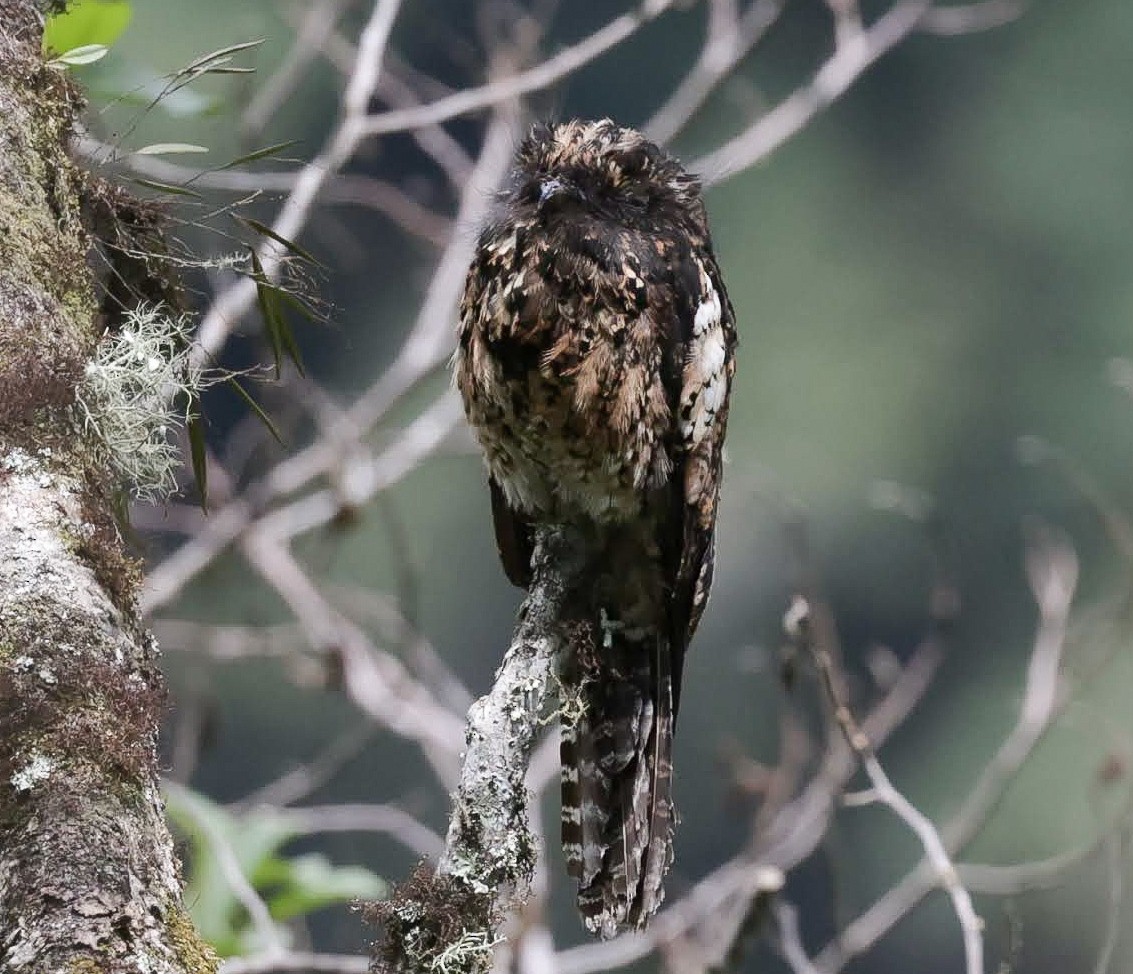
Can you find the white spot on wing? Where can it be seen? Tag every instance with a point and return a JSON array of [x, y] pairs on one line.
[[705, 382], [708, 314]]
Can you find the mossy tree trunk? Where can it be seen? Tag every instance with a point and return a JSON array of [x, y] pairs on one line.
[[88, 878]]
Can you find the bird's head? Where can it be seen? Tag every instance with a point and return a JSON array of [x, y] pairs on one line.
[[600, 170]]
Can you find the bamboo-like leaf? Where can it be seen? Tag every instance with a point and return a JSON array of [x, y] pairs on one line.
[[291, 245], [302, 308], [168, 148], [218, 54], [287, 337], [256, 408], [167, 187], [268, 299], [196, 431], [86, 54], [267, 150]]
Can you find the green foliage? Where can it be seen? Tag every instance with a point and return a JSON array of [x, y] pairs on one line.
[[85, 24], [134, 86], [290, 887]]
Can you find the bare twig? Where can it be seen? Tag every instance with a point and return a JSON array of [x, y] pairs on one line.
[[318, 23], [886, 794], [971, 18], [1053, 571], [504, 90], [790, 941], [387, 819], [730, 38], [832, 81], [299, 782], [294, 962], [1115, 867], [233, 303]]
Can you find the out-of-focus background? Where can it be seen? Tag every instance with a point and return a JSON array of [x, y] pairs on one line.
[[935, 299]]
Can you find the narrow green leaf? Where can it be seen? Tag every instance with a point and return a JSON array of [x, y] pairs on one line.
[[218, 54], [291, 245], [287, 337], [302, 308], [86, 54], [256, 408], [267, 150], [269, 310], [168, 148], [167, 187], [197, 454]]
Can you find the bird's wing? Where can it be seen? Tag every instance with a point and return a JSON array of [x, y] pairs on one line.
[[708, 339]]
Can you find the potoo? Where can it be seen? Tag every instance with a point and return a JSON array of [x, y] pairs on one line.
[[595, 357]]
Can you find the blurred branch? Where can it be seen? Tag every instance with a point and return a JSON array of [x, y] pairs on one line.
[[498, 92], [790, 940], [884, 792], [299, 782], [317, 25], [293, 962], [1053, 571], [378, 684], [852, 56], [387, 819], [231, 305], [1115, 868], [971, 18], [728, 892], [729, 39]]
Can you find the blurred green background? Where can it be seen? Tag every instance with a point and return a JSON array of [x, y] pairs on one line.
[[936, 267]]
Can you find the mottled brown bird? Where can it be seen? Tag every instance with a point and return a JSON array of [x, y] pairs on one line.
[[595, 357]]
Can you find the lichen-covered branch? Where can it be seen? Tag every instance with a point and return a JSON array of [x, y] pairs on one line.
[[88, 878], [448, 920]]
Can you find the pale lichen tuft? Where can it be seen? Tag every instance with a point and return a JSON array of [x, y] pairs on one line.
[[137, 391]]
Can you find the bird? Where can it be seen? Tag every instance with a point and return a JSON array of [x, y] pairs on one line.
[[595, 357]]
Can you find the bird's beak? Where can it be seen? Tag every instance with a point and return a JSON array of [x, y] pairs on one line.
[[549, 189]]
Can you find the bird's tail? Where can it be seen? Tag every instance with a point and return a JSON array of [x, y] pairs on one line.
[[617, 808]]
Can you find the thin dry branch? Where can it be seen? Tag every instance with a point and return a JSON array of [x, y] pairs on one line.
[[792, 836], [1053, 571], [232, 304], [378, 684], [884, 792], [729, 39], [854, 55], [296, 962], [424, 348], [504, 90]]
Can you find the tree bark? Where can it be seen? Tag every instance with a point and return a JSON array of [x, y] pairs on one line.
[[449, 920], [88, 878]]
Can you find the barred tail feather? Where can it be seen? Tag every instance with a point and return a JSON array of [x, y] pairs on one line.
[[661, 813], [617, 814]]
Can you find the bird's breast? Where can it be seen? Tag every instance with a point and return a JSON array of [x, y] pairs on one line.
[[564, 388]]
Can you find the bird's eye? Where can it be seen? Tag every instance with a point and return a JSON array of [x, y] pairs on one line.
[[633, 162], [635, 197]]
